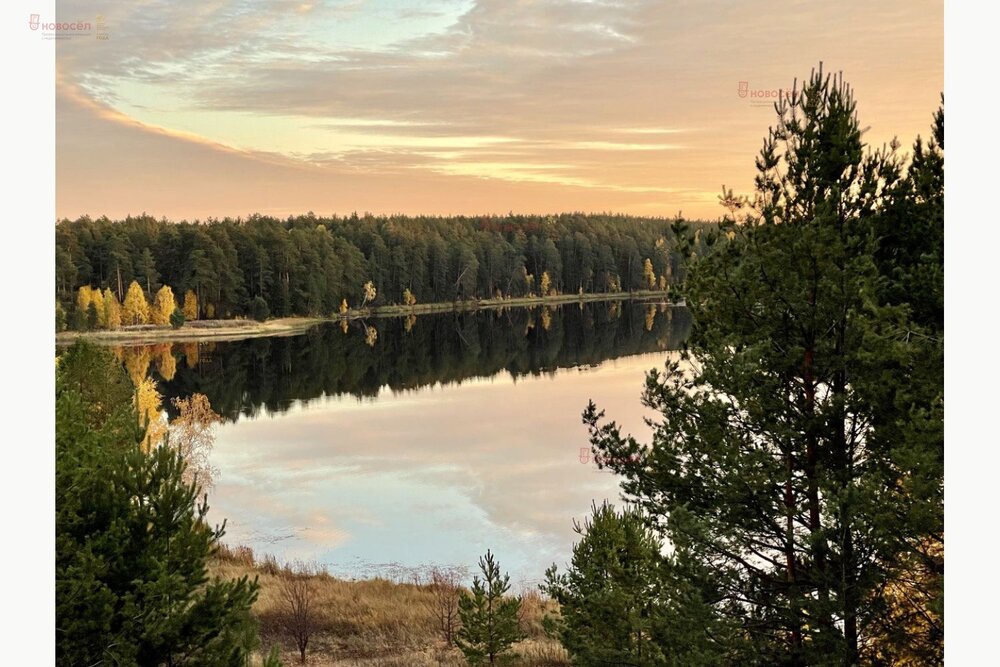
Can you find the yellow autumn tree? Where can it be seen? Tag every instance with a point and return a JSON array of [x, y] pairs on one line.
[[408, 298], [164, 306], [83, 298], [546, 318], [546, 283], [190, 354], [165, 362], [112, 310], [136, 360], [97, 299], [370, 293], [135, 310], [648, 275], [343, 307], [147, 405], [190, 306]]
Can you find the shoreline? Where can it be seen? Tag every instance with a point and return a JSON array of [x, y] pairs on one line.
[[231, 330]]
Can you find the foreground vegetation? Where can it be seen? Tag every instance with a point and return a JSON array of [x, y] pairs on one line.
[[375, 621]]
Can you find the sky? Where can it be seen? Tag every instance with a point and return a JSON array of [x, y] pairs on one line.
[[189, 109]]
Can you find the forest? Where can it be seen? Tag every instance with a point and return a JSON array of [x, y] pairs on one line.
[[308, 265]]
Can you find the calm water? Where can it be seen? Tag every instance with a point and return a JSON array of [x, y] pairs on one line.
[[425, 441]]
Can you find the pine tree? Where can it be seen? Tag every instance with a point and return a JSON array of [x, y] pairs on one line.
[[131, 538], [798, 446], [611, 610], [92, 318], [259, 309], [135, 310], [489, 618], [190, 306], [164, 306]]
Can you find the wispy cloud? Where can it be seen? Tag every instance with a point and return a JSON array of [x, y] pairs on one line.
[[629, 97]]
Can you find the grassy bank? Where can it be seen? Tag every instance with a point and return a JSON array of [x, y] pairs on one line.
[[223, 330], [374, 622]]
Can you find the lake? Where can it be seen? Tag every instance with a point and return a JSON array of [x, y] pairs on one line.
[[380, 448]]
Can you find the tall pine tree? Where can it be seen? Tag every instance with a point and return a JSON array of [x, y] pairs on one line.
[[797, 450]]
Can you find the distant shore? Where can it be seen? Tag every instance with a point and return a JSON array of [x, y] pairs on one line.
[[228, 330]]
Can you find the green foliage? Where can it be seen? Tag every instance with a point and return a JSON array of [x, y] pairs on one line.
[[307, 265], [177, 318], [489, 617], [92, 317], [131, 540], [613, 607], [798, 451], [259, 309], [60, 318]]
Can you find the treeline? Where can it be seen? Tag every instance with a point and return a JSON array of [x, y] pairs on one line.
[[307, 265], [269, 374]]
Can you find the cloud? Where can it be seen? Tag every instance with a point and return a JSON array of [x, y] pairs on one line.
[[608, 91]]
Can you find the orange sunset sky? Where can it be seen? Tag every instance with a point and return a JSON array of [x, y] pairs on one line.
[[191, 109]]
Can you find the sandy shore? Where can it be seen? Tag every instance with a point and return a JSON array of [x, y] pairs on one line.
[[223, 330]]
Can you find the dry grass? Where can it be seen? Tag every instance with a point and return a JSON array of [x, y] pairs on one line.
[[374, 622]]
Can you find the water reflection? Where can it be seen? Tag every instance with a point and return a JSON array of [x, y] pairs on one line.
[[270, 374], [468, 436], [433, 476]]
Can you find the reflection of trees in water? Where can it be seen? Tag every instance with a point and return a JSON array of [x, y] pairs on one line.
[[248, 376]]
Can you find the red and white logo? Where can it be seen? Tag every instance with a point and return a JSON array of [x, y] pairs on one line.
[[744, 88], [34, 22]]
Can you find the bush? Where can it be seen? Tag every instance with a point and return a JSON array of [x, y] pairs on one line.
[[177, 318], [259, 309]]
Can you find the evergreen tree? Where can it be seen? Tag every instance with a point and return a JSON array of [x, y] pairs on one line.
[[131, 538], [489, 618], [611, 611], [260, 310], [92, 317], [177, 318], [60, 318], [798, 448]]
